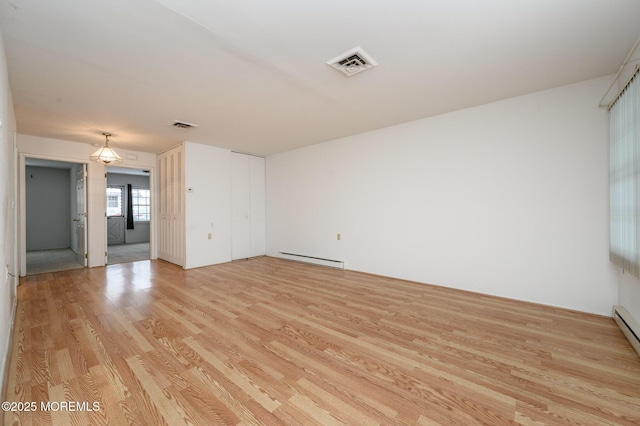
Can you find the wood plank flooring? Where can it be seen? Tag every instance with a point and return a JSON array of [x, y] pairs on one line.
[[273, 342]]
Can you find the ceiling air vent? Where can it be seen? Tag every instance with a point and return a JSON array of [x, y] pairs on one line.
[[353, 61], [183, 124]]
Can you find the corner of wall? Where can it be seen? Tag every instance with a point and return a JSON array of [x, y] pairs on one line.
[[8, 211]]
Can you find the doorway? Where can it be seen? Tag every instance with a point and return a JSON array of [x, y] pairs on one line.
[[55, 216], [128, 215]]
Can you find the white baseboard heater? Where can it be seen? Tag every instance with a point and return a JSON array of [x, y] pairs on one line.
[[332, 263], [628, 325]]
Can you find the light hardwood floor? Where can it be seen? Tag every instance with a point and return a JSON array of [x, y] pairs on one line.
[[268, 341]]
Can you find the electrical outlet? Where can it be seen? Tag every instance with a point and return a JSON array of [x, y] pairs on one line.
[[339, 237], [209, 235]]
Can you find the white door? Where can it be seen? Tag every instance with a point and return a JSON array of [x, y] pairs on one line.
[[81, 215], [240, 207], [247, 206], [115, 215], [257, 205], [171, 209]]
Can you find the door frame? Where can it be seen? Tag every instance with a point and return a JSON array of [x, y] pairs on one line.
[[83, 215], [22, 239], [153, 250]]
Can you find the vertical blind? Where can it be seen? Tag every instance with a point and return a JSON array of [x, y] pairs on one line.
[[624, 178]]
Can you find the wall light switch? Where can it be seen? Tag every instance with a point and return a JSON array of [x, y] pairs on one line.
[[339, 237], [209, 236]]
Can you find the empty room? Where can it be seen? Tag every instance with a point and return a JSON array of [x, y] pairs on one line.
[[320, 213]]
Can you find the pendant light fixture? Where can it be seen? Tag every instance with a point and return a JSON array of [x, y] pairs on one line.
[[105, 154]]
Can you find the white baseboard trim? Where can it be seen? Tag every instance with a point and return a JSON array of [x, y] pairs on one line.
[[628, 325]]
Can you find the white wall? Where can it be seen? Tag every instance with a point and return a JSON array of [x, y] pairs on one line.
[[508, 199], [54, 149], [7, 211], [207, 204], [629, 294]]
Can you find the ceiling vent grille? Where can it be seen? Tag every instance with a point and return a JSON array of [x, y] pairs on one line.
[[353, 61], [183, 124]]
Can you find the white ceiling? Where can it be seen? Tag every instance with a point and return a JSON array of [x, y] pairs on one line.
[[253, 74]]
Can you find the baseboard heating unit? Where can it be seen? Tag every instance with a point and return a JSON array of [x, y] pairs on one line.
[[628, 325], [332, 263]]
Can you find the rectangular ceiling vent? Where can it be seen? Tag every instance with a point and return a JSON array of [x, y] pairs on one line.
[[353, 61], [183, 124]]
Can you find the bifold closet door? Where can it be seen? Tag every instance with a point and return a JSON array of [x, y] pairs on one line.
[[247, 206], [240, 207], [257, 206], [171, 226]]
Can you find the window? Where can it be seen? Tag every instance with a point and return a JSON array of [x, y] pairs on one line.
[[114, 201], [624, 178], [141, 204]]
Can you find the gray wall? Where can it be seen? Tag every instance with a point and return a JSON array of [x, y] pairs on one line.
[[48, 205], [141, 231]]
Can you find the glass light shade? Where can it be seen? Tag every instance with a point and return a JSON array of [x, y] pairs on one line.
[[106, 155]]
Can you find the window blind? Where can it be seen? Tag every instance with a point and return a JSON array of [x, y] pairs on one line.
[[624, 178]]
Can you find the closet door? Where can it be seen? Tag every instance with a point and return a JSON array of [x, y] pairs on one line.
[[257, 205], [247, 206], [240, 207], [171, 226]]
